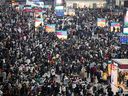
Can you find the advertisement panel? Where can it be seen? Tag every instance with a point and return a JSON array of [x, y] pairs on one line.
[[38, 22], [124, 39], [125, 29], [47, 6], [35, 3], [27, 8], [38, 15], [126, 21], [21, 7], [115, 27], [69, 11], [101, 22], [59, 11], [50, 27], [109, 69], [59, 2], [61, 34], [114, 76]]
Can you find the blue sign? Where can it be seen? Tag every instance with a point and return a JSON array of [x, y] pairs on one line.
[[124, 39], [59, 13]]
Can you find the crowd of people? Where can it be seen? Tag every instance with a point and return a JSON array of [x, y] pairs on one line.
[[37, 63]]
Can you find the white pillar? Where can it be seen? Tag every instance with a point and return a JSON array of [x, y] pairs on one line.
[[117, 2]]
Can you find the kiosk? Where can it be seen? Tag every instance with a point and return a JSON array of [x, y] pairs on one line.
[[119, 74]]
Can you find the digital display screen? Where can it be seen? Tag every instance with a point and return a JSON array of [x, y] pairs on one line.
[[115, 27], [125, 30], [59, 11], [124, 39], [101, 22], [35, 3], [61, 34], [58, 2], [50, 27]]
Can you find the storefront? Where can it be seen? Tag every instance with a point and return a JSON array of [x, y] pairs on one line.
[[118, 70], [85, 3], [69, 11]]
